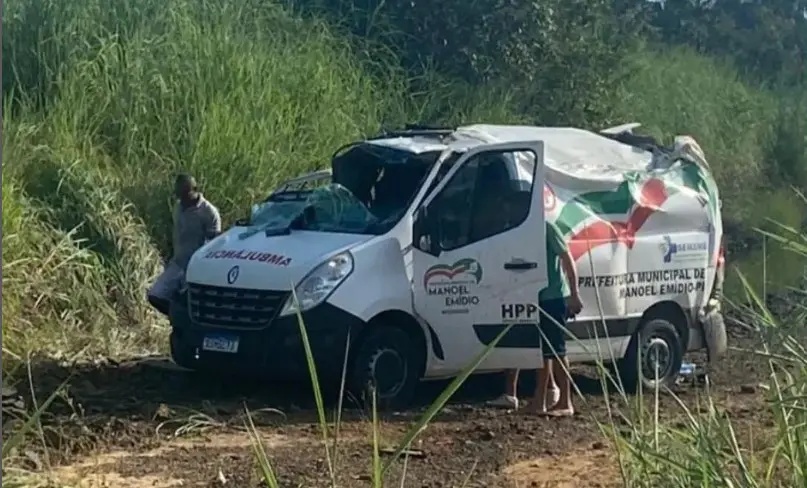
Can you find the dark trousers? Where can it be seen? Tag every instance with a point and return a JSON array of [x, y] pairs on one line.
[[552, 323]]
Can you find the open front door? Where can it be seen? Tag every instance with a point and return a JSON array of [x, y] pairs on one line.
[[479, 257]]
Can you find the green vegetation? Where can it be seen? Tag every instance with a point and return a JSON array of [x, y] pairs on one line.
[[105, 101], [116, 100]]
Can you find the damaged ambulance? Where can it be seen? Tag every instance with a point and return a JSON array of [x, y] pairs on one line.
[[418, 247]]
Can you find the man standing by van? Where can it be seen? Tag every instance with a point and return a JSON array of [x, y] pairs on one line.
[[559, 300], [195, 222]]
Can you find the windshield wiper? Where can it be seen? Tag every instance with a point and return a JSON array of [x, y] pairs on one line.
[[282, 231], [266, 229]]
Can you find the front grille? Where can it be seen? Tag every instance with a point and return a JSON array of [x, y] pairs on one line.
[[233, 307]]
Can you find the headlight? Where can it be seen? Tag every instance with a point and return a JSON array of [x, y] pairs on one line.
[[319, 283]]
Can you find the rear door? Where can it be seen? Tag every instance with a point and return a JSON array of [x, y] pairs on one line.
[[479, 257]]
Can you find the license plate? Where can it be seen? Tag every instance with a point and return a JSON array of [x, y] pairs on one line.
[[220, 343]]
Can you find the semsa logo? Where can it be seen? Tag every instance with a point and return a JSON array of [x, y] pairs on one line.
[[244, 255], [685, 250]]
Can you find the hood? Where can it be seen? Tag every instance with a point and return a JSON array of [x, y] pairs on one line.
[[264, 263]]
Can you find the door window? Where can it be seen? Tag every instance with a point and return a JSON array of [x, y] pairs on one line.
[[488, 195]]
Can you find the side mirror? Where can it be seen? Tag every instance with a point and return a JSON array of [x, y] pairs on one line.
[[424, 232]]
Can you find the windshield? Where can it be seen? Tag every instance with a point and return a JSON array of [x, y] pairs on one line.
[[331, 208], [367, 192]]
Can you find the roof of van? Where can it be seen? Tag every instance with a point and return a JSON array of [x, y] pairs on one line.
[[576, 152]]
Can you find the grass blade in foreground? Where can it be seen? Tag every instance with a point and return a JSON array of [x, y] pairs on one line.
[[264, 464], [707, 450], [312, 371], [33, 420], [338, 414], [378, 475], [441, 400]]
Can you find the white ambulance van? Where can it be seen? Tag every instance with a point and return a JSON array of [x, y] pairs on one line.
[[420, 246]]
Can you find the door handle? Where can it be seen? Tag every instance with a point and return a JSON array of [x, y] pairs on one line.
[[519, 265]]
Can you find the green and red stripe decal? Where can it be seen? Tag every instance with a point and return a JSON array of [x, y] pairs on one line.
[[634, 199], [465, 265]]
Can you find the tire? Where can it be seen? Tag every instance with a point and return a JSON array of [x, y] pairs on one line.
[[180, 352], [193, 380], [655, 335], [390, 360], [714, 335]]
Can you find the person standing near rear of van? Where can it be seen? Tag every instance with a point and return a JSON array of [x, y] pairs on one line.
[[559, 300], [195, 222]]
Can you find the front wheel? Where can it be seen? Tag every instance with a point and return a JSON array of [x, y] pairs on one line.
[[654, 357], [387, 360], [181, 352]]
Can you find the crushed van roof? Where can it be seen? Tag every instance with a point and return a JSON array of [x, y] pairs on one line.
[[574, 152]]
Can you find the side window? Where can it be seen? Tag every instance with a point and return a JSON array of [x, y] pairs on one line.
[[454, 204], [489, 195]]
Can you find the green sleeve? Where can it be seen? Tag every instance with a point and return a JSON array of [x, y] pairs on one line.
[[555, 240]]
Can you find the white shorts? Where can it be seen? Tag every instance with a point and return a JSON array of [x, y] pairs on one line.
[[168, 282]]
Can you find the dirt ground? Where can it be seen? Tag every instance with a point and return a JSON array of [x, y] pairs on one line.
[[144, 424]]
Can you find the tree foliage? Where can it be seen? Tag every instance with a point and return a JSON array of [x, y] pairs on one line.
[[767, 39], [560, 56]]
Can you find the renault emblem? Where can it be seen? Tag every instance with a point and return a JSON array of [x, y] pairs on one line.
[[232, 275]]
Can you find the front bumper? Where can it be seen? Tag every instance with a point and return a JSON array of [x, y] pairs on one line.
[[275, 351]]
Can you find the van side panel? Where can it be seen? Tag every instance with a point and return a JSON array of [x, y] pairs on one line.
[[669, 260], [651, 237]]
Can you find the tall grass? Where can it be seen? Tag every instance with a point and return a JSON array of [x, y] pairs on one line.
[[708, 449], [110, 100], [240, 97]]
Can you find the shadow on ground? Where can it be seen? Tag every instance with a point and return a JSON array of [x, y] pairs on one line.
[[141, 389], [142, 404]]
